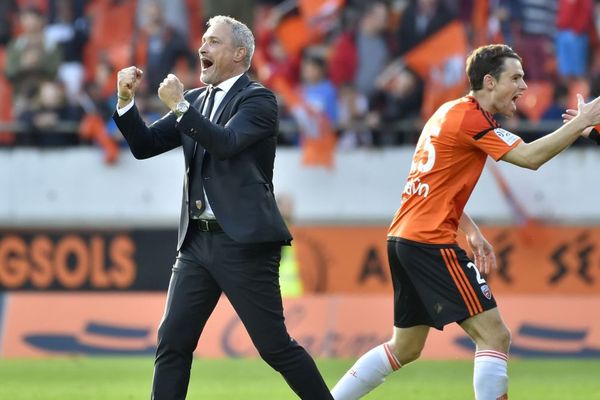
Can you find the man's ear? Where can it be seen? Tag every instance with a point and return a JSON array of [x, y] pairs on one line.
[[239, 54], [489, 82]]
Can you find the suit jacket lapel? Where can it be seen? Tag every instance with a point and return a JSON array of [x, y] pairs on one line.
[[191, 150], [240, 84]]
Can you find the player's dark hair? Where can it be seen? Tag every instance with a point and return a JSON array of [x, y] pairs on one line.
[[487, 60]]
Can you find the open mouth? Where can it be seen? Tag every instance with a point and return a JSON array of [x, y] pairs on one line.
[[206, 63]]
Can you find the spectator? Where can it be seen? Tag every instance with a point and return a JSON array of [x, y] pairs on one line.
[[399, 98], [8, 9], [343, 59], [272, 60], [51, 121], [359, 56], [500, 18], [175, 14], [70, 33], [420, 19], [98, 99], [486, 21], [353, 108], [30, 59], [317, 90], [535, 24], [77, 9], [574, 21], [160, 46], [98, 94], [314, 107]]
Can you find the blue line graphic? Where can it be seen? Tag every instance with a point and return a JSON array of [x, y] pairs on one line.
[[545, 335], [552, 333], [116, 331], [71, 344]]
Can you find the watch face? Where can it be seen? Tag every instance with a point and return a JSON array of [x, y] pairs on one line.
[[182, 107]]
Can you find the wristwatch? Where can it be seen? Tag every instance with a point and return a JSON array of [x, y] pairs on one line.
[[181, 108]]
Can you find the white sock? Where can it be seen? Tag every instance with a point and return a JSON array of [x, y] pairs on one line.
[[366, 374], [490, 377]]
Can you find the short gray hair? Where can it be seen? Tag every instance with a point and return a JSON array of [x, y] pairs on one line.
[[242, 35]]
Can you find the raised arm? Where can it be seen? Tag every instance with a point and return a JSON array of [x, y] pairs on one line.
[[144, 141], [255, 119], [535, 154]]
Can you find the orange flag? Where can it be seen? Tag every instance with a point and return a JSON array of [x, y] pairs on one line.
[[440, 62], [320, 14], [92, 128]]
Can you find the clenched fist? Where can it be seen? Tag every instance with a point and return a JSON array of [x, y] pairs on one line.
[[128, 79], [170, 91]]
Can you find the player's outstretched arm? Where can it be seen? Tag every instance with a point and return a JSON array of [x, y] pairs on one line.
[[535, 154], [592, 133], [483, 252]]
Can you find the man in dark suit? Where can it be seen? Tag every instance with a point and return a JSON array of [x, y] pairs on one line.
[[231, 232]]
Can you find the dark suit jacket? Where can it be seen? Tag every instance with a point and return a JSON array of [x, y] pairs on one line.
[[240, 147]]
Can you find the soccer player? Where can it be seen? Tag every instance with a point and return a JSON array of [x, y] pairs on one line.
[[435, 283]]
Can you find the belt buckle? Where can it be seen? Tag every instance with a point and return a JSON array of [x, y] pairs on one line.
[[204, 226]]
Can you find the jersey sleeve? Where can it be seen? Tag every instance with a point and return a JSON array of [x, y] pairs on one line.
[[483, 132]]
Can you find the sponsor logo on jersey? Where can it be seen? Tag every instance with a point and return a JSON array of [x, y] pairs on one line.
[[506, 136], [486, 292], [415, 186]]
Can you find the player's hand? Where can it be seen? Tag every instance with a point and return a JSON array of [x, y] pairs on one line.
[[569, 114], [483, 252], [170, 91], [590, 111], [128, 80]]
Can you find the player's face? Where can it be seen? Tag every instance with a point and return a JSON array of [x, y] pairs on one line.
[[508, 88], [217, 55]]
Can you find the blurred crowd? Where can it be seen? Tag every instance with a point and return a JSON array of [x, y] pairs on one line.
[[349, 73]]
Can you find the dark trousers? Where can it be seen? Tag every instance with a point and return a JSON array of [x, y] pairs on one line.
[[210, 263]]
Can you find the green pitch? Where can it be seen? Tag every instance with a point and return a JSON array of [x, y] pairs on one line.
[[129, 379]]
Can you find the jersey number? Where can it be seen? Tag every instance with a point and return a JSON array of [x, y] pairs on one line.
[[424, 157], [480, 280]]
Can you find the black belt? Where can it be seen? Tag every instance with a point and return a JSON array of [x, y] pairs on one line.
[[208, 225]]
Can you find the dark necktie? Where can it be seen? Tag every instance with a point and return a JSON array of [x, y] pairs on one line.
[[197, 201], [212, 91]]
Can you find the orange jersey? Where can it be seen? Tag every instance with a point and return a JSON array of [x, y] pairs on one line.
[[447, 163]]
